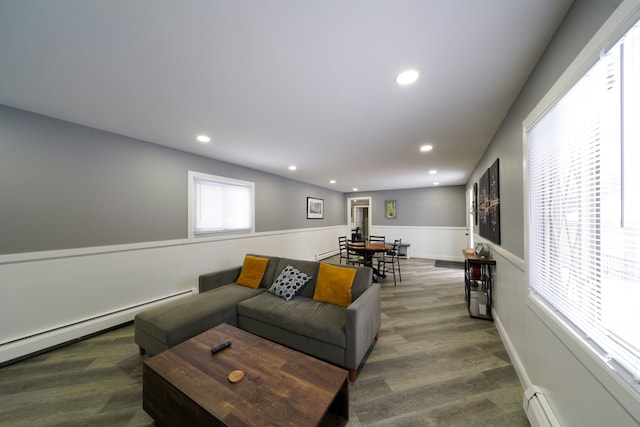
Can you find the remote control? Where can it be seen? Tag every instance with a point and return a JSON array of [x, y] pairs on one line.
[[220, 347]]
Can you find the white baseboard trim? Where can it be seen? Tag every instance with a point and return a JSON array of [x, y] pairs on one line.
[[511, 351]]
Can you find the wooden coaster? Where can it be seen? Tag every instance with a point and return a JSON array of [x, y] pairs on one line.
[[236, 376]]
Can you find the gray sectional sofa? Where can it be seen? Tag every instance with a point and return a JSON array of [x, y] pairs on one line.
[[337, 334]]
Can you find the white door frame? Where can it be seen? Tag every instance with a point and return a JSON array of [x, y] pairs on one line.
[[350, 200]]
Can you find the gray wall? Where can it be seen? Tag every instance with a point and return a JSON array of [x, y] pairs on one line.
[[581, 22], [433, 206], [544, 350], [68, 186]]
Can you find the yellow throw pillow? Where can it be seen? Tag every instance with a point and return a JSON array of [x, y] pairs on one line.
[[252, 271], [334, 284]]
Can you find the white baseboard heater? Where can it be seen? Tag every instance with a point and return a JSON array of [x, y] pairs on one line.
[[24, 346], [325, 255], [538, 409]]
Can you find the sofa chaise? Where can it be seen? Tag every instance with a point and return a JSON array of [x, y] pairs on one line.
[[328, 311]]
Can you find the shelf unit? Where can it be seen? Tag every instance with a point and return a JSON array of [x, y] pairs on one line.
[[478, 285]]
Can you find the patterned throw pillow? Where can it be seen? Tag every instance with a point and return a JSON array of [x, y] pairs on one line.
[[289, 283]]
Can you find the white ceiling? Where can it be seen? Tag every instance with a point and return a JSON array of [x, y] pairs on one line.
[[282, 82]]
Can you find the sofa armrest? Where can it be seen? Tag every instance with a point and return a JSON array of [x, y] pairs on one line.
[[216, 279], [363, 324]]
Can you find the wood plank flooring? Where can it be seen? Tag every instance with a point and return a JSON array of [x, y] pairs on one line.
[[432, 366]]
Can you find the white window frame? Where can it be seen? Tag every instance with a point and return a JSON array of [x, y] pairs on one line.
[[623, 389], [192, 231]]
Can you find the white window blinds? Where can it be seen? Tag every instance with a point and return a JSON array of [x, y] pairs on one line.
[[584, 210], [221, 205]]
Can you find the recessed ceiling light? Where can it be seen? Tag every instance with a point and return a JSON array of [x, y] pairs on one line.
[[433, 172], [293, 167], [355, 189], [407, 77], [203, 138], [436, 183], [333, 181], [426, 148]]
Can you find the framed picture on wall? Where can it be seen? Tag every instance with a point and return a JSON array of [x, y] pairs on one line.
[[315, 208], [389, 209]]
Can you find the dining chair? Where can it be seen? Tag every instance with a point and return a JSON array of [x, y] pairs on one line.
[[355, 253], [376, 239], [389, 261], [342, 245]]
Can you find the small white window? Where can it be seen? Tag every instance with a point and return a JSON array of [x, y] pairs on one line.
[[219, 205]]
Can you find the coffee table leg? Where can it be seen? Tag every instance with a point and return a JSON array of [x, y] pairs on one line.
[[340, 405]]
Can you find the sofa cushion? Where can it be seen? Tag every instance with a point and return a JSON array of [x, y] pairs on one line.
[[361, 282], [304, 316], [289, 283], [334, 284], [252, 271], [180, 320]]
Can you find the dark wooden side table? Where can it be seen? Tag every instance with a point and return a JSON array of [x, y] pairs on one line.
[[478, 285]]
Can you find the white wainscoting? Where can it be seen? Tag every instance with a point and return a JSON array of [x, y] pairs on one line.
[[49, 298], [52, 297], [444, 243]]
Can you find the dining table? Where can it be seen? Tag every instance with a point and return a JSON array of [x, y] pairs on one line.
[[368, 251]]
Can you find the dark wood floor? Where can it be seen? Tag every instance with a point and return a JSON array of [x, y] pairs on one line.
[[433, 365]]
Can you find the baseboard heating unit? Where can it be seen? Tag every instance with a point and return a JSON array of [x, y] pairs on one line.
[[326, 255], [537, 408], [20, 348]]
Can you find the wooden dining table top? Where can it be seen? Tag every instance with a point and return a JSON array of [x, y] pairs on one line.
[[371, 246]]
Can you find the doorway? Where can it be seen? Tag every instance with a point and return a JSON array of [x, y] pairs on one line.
[[471, 215], [358, 217]]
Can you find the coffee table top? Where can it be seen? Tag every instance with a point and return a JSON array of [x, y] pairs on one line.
[[281, 386]]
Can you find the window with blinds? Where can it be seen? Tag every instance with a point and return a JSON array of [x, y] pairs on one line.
[[584, 186], [219, 205]]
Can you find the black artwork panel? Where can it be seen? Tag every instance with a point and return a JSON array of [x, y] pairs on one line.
[[488, 210], [494, 193], [483, 205]]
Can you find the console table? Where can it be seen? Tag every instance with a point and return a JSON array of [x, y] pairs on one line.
[[478, 285]]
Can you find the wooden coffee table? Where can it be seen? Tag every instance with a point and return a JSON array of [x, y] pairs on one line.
[[187, 385]]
